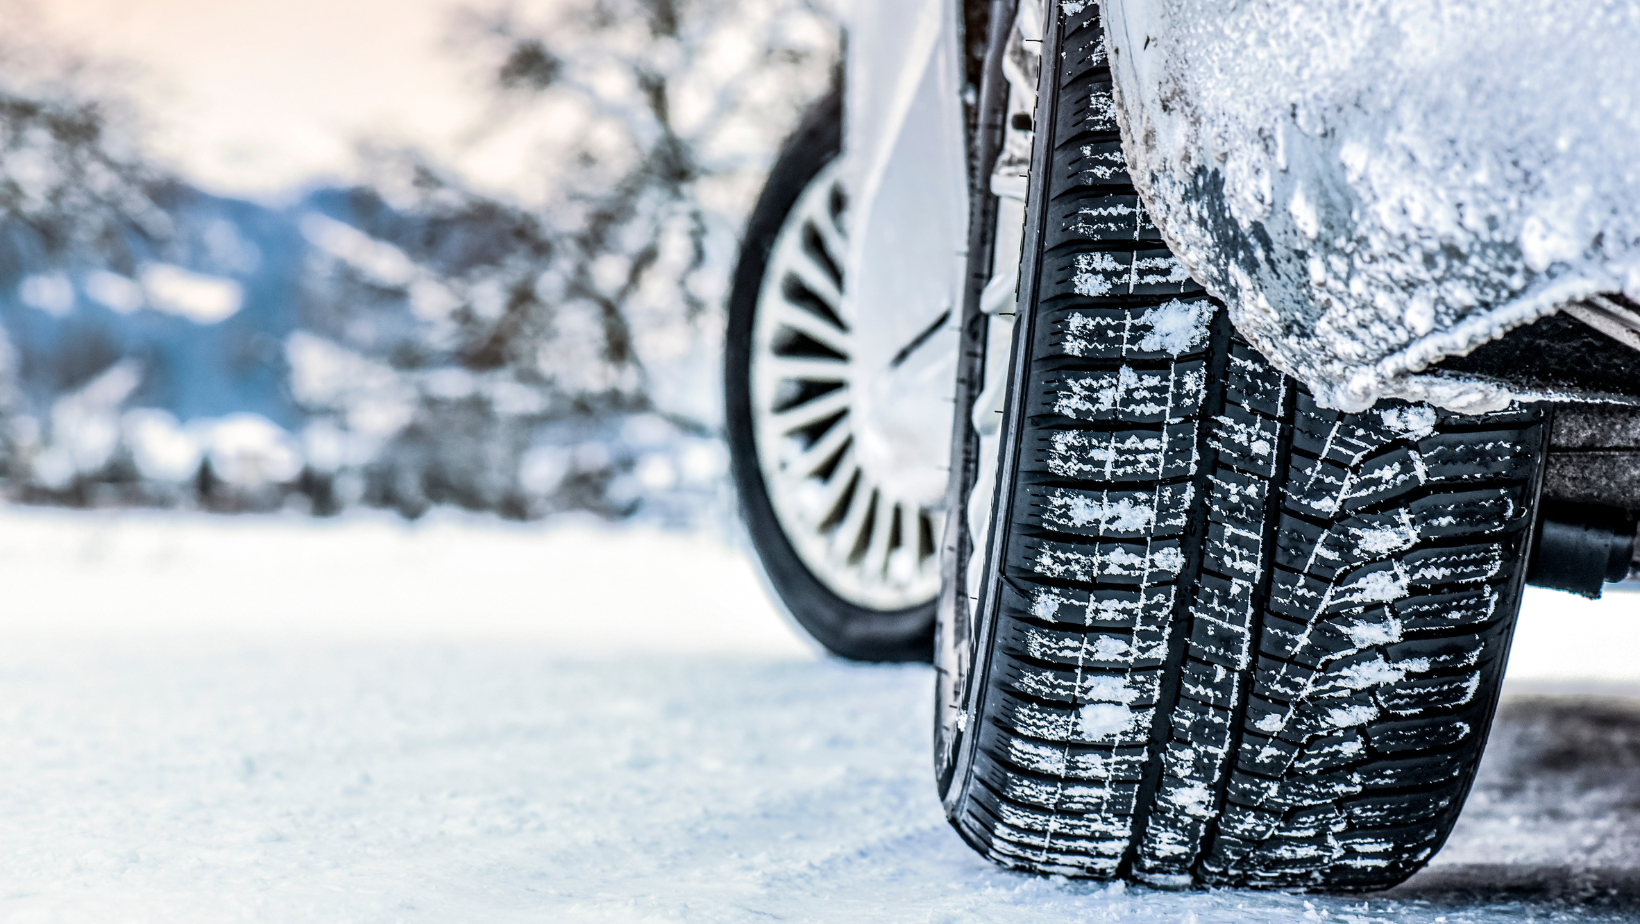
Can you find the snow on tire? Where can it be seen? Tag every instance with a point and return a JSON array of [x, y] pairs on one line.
[[1227, 636]]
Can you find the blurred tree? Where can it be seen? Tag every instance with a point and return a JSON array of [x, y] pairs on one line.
[[70, 171], [657, 119], [523, 350], [571, 306], [74, 194]]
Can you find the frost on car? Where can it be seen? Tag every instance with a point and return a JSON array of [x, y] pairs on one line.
[[1373, 188]]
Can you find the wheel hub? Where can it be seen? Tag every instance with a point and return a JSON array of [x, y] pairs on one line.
[[851, 411]]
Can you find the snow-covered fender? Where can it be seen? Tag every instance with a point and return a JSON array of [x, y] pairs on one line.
[[1375, 185]]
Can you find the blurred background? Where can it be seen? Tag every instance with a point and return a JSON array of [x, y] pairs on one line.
[[441, 265], [306, 255]]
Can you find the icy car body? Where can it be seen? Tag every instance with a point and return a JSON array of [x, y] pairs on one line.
[[1375, 186]]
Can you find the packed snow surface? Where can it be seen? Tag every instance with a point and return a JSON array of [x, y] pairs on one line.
[[1374, 185], [279, 719]]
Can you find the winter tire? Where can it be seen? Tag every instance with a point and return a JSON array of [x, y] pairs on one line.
[[850, 565], [1225, 636]]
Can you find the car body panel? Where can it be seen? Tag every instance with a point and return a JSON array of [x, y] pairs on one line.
[[1374, 187]]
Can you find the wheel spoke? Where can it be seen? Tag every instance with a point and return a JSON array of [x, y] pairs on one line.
[[803, 368], [933, 521], [816, 279], [847, 535], [812, 326], [803, 464], [825, 496], [875, 562], [831, 238], [810, 412]]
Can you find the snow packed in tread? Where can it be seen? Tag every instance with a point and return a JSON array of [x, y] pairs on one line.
[[1239, 638]]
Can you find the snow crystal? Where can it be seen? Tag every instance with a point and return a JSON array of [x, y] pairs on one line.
[[1414, 422], [1270, 724], [1368, 634], [1099, 218], [1176, 326], [1108, 690], [1139, 393], [1089, 280], [1163, 271], [1039, 757], [1169, 559], [1351, 716], [1103, 720], [1106, 648], [1099, 164], [1055, 647], [1077, 454], [1378, 672], [1391, 194], [1379, 587], [1471, 685], [1384, 540], [1363, 846], [1233, 434], [1194, 800], [1056, 561], [1122, 515]]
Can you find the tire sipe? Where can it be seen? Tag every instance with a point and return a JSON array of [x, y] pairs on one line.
[[848, 628], [1225, 636]]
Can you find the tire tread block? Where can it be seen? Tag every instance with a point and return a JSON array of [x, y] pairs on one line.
[[1100, 273], [1294, 656], [1120, 456], [1116, 217], [1125, 395], [1164, 333]]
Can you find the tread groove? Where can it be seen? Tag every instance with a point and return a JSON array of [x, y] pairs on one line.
[[1261, 598], [1290, 687]]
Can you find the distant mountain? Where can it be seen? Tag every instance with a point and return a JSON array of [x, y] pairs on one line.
[[334, 351], [204, 315]]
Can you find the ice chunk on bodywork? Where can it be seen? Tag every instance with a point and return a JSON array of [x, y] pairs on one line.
[[1373, 187]]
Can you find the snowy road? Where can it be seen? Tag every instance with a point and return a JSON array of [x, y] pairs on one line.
[[225, 720]]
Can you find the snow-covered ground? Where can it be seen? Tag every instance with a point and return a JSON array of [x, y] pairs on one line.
[[278, 719]]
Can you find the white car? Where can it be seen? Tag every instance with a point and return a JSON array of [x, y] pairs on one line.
[[1198, 386]]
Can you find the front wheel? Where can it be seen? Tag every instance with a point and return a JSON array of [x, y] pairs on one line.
[[845, 548], [1224, 636]]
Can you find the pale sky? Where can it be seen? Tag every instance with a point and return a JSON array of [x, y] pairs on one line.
[[254, 97]]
